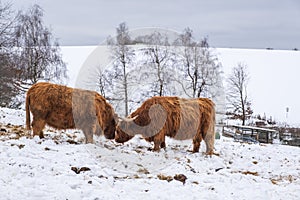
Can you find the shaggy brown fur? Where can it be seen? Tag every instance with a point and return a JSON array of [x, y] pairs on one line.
[[63, 107], [174, 117]]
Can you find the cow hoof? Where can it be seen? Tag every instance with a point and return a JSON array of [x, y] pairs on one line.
[[153, 149], [216, 154]]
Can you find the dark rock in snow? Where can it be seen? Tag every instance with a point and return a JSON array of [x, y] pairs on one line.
[[180, 177]]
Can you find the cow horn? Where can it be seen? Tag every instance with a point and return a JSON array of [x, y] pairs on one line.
[[120, 119], [135, 117], [128, 119]]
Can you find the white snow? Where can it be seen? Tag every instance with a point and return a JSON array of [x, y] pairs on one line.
[[31, 168], [16, 117]]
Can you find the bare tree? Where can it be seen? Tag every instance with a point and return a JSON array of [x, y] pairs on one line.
[[239, 104], [200, 64], [39, 55], [123, 54], [159, 59], [102, 82]]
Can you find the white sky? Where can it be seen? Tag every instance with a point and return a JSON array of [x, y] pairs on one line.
[[230, 23]]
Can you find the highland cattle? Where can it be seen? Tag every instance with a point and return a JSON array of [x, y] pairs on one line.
[[63, 107], [175, 117]]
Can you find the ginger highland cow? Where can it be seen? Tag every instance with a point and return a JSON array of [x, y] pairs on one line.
[[174, 117], [63, 107]]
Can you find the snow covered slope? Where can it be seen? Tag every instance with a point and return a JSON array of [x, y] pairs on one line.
[[273, 75], [62, 167]]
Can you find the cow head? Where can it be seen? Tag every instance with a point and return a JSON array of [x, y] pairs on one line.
[[147, 124], [123, 133], [110, 128]]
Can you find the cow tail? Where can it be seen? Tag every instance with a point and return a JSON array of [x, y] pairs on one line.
[[28, 127]]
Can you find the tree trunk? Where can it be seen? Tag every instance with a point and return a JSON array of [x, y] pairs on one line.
[[125, 88], [243, 110]]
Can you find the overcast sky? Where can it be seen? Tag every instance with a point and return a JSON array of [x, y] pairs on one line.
[[227, 23]]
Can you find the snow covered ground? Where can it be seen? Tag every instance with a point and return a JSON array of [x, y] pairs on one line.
[[62, 167]]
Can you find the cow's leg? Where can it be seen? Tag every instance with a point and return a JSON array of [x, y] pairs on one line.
[[156, 144], [208, 134], [88, 137], [88, 133], [159, 141], [209, 148], [209, 141], [38, 125], [196, 142]]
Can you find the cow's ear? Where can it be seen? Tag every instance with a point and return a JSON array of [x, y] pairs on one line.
[[116, 117]]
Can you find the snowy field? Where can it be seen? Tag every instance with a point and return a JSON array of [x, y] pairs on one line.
[[62, 167]]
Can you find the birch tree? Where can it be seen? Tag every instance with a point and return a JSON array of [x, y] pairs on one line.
[[123, 54]]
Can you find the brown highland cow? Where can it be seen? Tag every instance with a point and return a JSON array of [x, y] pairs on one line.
[[174, 117], [63, 107]]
